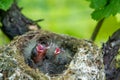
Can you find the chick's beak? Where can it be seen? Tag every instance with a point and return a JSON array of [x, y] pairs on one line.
[[41, 52]]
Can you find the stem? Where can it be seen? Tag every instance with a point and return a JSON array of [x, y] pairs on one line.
[[96, 30]]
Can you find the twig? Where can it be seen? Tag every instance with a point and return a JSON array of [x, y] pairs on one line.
[[96, 30]]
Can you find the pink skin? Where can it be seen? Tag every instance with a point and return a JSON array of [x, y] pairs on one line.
[[40, 48], [57, 51], [41, 51]]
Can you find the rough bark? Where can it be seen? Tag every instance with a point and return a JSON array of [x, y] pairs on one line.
[[110, 52], [14, 23]]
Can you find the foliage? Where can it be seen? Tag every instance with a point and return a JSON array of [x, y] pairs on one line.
[[70, 17], [5, 4], [104, 8]]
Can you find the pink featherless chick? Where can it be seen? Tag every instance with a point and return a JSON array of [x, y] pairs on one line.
[[38, 53]]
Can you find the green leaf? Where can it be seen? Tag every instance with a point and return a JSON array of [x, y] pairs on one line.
[[104, 8], [5, 4], [97, 4]]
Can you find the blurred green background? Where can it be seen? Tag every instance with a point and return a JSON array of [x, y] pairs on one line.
[[71, 17]]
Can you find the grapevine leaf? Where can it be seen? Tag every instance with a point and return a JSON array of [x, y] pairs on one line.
[[104, 8], [5, 4], [97, 4]]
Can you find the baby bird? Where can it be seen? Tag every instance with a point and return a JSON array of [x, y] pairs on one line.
[[34, 53], [55, 59], [38, 53], [49, 57]]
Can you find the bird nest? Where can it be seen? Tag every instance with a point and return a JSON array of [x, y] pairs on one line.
[[77, 60]]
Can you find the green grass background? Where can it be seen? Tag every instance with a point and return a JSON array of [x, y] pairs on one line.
[[71, 17]]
